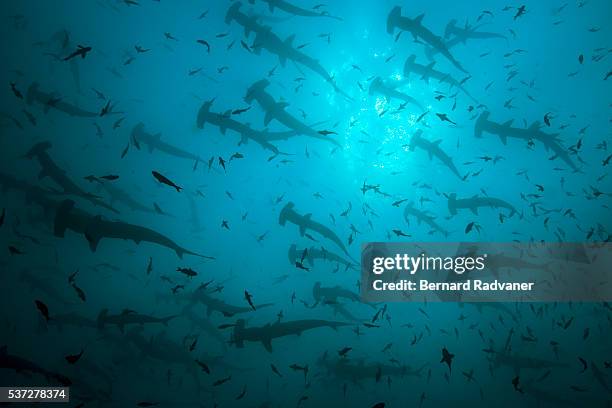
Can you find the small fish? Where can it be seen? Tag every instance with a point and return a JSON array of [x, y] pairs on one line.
[[44, 310], [164, 180], [73, 358], [222, 381]]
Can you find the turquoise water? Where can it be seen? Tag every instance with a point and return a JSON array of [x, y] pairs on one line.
[[333, 145]]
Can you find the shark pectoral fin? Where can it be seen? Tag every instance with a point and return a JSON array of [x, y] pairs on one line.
[[430, 155], [302, 230], [283, 60], [271, 7], [503, 139], [474, 210], [150, 147], [267, 344], [269, 116]]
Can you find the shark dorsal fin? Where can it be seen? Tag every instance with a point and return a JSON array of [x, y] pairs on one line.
[[290, 39], [282, 105], [419, 18], [267, 343], [436, 142], [431, 65], [508, 123], [535, 125]]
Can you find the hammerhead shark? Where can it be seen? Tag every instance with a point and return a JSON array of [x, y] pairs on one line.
[[127, 317], [48, 101], [50, 169], [312, 253], [379, 87], [468, 32], [516, 361], [224, 121], [345, 370], [269, 41], [19, 364], [427, 71], [154, 142], [475, 202], [116, 194], [276, 110], [293, 9], [213, 304], [333, 293], [418, 31], [305, 223], [423, 217], [533, 132], [265, 334], [249, 23], [454, 35], [433, 149], [94, 228]]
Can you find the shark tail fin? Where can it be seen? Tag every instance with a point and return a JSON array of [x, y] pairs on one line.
[[238, 331], [392, 18]]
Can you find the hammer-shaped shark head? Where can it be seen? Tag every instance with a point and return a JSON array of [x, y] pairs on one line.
[[203, 113], [480, 123], [232, 12], [31, 93], [409, 65], [285, 213], [256, 88], [452, 203], [450, 28], [37, 149], [415, 139], [237, 335], [375, 85], [394, 15], [316, 291]]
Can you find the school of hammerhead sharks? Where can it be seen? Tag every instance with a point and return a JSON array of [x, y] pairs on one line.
[[298, 333]]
